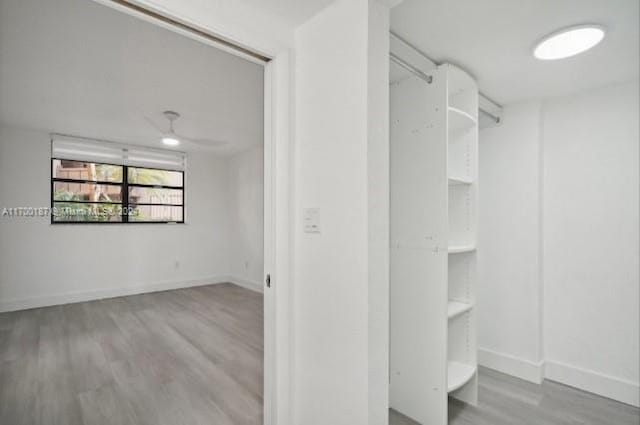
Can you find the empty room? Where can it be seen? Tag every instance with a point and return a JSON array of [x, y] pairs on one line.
[[319, 212], [147, 146]]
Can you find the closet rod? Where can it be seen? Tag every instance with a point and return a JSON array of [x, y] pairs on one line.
[[428, 78], [411, 69], [493, 117]]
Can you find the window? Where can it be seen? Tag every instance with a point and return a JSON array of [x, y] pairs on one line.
[[85, 191], [155, 195]]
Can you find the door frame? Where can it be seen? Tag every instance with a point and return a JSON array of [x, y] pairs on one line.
[[277, 58], [278, 187]]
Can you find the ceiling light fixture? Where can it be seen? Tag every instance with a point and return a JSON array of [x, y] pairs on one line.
[[568, 42], [170, 138], [170, 141]]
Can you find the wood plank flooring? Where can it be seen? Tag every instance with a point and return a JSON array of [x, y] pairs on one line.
[[194, 357], [189, 357], [504, 400]]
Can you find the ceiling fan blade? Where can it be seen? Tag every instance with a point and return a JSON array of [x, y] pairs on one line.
[[202, 142], [156, 126]]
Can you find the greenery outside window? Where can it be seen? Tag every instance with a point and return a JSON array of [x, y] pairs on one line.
[[92, 192]]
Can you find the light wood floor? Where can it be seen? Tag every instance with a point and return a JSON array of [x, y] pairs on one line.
[[184, 357], [194, 357], [504, 400]]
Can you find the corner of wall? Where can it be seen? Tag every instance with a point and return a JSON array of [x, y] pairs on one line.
[[541, 302], [247, 284], [512, 365]]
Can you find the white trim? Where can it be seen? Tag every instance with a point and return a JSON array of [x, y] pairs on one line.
[[278, 240], [588, 380], [269, 329], [99, 294], [246, 284], [511, 365]]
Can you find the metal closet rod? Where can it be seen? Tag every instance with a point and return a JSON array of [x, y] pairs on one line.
[[394, 58], [428, 78]]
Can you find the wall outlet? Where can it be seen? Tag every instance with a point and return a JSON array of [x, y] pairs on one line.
[[176, 265]]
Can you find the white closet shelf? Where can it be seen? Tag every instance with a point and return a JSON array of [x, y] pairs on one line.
[[456, 308], [454, 181], [459, 249], [460, 120], [458, 374]]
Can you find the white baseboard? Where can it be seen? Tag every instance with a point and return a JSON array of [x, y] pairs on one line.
[[98, 294], [607, 386], [247, 284], [597, 383], [511, 365]]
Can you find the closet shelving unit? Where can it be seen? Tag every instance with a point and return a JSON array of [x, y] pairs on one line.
[[462, 160], [434, 190], [456, 308]]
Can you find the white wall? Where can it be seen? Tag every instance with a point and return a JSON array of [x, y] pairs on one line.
[[509, 291], [378, 211], [591, 241], [43, 264], [574, 286], [337, 145], [246, 202]]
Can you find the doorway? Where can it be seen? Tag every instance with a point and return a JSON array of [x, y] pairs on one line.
[[157, 123]]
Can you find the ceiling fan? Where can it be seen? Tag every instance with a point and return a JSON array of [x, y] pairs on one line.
[[171, 138]]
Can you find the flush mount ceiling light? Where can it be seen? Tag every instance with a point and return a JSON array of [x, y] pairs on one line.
[[568, 42]]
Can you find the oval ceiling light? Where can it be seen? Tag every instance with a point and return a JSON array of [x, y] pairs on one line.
[[568, 42]]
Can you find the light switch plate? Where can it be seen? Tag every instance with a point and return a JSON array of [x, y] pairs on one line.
[[311, 220]]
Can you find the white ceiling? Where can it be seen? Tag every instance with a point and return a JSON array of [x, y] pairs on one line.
[[78, 67], [81, 68], [293, 12], [493, 40]]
